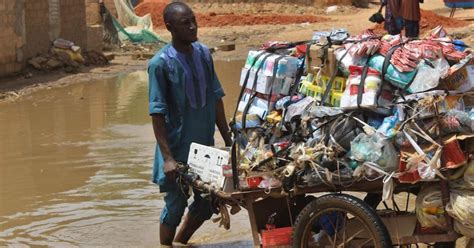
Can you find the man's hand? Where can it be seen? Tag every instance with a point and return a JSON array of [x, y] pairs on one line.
[[171, 169]]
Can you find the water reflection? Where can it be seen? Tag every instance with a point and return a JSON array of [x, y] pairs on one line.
[[75, 166]]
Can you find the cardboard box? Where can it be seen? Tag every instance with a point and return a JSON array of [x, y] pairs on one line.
[[265, 83], [207, 162], [315, 60], [461, 80], [259, 106]]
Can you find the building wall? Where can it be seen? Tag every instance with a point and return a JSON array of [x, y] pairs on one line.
[[92, 12], [28, 27], [36, 27], [73, 21], [11, 36], [110, 4]]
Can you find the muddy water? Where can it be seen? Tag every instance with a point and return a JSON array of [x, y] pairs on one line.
[[75, 166]]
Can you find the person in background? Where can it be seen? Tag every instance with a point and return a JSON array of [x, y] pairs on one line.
[[410, 12], [393, 21], [185, 103]]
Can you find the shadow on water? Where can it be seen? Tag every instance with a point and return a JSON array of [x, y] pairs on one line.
[[76, 161]]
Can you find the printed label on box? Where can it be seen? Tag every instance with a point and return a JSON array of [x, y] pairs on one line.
[[207, 163]]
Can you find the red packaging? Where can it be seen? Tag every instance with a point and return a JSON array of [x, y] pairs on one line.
[[253, 182], [453, 156], [277, 236], [409, 177], [227, 170]]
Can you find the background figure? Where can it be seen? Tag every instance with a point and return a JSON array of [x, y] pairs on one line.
[[393, 21], [410, 12]]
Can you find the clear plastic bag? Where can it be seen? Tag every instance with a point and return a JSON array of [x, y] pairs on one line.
[[367, 147], [429, 207], [428, 77]]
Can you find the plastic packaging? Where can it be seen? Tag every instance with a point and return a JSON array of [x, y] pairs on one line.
[[428, 77], [457, 121], [251, 120], [389, 125], [460, 206], [347, 60], [389, 161], [371, 87], [298, 108], [429, 208], [367, 147], [395, 77]]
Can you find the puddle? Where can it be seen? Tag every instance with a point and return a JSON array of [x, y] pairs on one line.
[[76, 161]]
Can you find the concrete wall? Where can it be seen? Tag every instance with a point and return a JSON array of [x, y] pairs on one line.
[[11, 36], [28, 27], [110, 4], [36, 27], [94, 26], [73, 21], [92, 12]]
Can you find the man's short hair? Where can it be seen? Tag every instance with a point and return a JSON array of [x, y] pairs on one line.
[[171, 9]]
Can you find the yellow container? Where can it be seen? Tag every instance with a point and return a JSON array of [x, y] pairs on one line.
[[338, 84], [335, 99]]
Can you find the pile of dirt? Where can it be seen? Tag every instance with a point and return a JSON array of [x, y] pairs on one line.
[[430, 20], [214, 19], [155, 9]]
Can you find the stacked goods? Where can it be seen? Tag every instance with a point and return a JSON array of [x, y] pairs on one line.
[[395, 110], [264, 78]]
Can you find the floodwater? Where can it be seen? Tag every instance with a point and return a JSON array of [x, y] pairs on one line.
[[75, 165]]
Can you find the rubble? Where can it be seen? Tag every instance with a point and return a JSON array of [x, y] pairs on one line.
[[65, 55]]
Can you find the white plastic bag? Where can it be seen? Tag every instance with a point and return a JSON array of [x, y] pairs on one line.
[[429, 207], [428, 77]]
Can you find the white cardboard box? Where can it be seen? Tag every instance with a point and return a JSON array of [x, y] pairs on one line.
[[264, 82], [207, 163]]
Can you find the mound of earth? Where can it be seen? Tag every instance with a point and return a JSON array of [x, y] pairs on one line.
[[213, 19]]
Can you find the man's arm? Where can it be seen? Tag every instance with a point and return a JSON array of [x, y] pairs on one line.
[[159, 129], [222, 122]]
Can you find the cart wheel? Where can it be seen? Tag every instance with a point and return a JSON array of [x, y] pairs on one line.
[[445, 245], [339, 220]]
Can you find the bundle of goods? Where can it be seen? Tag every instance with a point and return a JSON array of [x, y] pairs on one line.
[[392, 109]]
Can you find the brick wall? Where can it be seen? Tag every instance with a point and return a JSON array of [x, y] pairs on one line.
[[36, 27], [92, 12], [73, 21], [110, 4], [11, 37]]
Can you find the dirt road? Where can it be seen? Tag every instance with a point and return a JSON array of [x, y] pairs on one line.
[[244, 37]]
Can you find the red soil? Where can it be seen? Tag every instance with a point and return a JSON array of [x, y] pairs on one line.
[[430, 20], [155, 8]]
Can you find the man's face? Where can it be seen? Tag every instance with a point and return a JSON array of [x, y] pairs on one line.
[[183, 25]]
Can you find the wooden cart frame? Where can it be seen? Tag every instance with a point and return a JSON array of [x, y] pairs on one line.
[[254, 202]]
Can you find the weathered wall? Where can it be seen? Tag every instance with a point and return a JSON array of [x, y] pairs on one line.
[[28, 27], [92, 12], [110, 4], [94, 26], [73, 21], [11, 36], [36, 27]]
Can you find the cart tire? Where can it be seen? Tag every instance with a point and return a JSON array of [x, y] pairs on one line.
[[319, 212], [445, 245]]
